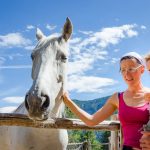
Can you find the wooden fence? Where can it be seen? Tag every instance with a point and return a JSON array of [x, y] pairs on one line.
[[86, 145], [9, 119]]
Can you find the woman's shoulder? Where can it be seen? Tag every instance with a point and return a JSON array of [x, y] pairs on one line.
[[116, 95], [114, 99]]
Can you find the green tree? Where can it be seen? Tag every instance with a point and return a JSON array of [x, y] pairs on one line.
[[77, 136]]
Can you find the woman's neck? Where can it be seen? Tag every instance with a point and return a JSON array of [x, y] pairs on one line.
[[135, 88]]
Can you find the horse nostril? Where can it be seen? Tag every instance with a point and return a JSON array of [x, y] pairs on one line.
[[46, 102], [26, 102]]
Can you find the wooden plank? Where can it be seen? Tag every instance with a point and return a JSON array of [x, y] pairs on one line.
[[12, 119], [114, 138]]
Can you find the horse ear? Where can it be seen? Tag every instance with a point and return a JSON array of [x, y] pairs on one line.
[[67, 29], [39, 34]]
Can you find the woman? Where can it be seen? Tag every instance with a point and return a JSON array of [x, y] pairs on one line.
[[133, 113], [147, 60], [145, 139]]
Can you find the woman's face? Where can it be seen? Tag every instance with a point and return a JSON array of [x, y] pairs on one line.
[[131, 71], [148, 65]]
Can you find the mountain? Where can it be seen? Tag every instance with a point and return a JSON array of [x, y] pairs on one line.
[[91, 106]]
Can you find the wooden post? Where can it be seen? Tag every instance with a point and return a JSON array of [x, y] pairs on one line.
[[87, 145], [114, 138], [120, 138]]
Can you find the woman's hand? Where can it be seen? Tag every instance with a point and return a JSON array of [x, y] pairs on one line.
[[66, 97], [142, 95], [147, 96], [145, 140]]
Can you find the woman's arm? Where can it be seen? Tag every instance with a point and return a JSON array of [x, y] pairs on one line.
[[145, 140], [102, 114]]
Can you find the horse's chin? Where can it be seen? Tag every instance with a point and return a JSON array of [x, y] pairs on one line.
[[38, 118]]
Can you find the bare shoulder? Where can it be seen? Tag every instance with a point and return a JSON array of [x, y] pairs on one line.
[[114, 100]]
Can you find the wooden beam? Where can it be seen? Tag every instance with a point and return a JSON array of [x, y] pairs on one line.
[[12, 119]]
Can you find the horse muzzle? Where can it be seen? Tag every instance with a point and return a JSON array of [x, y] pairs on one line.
[[37, 106]]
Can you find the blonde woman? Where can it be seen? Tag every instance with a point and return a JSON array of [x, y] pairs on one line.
[[147, 60], [145, 139]]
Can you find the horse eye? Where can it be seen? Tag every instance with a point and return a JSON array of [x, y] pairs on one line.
[[63, 58]]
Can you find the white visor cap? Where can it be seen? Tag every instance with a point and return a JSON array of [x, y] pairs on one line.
[[135, 55]]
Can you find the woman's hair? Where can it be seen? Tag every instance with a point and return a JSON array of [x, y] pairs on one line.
[[131, 57], [147, 57]]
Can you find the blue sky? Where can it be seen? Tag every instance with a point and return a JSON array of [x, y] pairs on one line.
[[103, 30]]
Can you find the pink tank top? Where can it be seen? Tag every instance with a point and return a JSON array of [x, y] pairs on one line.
[[132, 120]]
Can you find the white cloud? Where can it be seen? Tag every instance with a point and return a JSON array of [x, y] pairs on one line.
[[143, 27], [110, 35], [16, 100], [2, 60], [13, 40], [114, 60], [89, 83], [30, 47], [116, 50], [86, 32], [16, 67], [79, 66], [8, 109], [54, 35], [75, 40], [12, 56], [50, 27], [30, 27], [10, 91], [114, 34], [131, 33], [86, 50]]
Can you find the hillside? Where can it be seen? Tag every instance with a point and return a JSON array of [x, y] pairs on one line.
[[91, 106], [95, 137]]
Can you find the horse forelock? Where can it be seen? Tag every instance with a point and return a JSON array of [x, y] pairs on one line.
[[57, 43]]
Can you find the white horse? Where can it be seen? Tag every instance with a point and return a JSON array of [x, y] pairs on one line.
[[43, 99]]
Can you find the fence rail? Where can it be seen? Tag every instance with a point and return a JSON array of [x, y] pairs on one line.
[[9, 119], [86, 146], [12, 119]]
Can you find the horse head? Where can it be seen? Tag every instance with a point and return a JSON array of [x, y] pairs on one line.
[[49, 62]]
